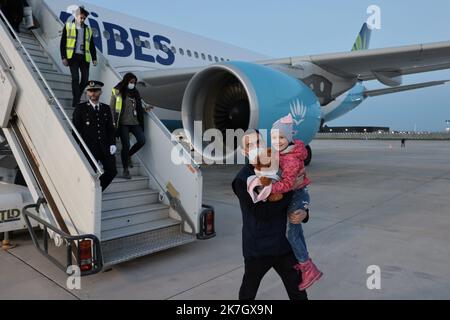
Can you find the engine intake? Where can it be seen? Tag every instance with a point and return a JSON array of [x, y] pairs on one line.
[[241, 95]]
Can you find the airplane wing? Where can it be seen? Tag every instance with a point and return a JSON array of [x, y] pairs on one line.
[[382, 64], [165, 88], [379, 92]]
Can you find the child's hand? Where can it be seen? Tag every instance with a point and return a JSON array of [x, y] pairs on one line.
[[275, 197], [265, 181]]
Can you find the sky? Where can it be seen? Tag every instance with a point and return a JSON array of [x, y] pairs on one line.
[[287, 28]]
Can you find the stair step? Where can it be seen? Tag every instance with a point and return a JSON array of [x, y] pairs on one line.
[[122, 185], [45, 63], [133, 230], [61, 85], [57, 77], [67, 105], [32, 46], [125, 249], [37, 53], [133, 171], [29, 40], [122, 200], [27, 36], [45, 68], [119, 158], [62, 94], [40, 59], [117, 213], [118, 219]]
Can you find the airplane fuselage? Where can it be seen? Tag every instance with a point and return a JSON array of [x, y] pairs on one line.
[[133, 44]]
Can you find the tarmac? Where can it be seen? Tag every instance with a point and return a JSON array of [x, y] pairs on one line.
[[373, 204]]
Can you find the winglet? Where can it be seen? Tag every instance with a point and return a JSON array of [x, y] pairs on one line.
[[363, 40]]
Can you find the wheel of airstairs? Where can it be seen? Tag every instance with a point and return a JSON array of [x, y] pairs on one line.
[[134, 222]]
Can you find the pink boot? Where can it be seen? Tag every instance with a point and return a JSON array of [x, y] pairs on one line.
[[310, 274]]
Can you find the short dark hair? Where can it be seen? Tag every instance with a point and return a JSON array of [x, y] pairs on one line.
[[252, 131], [83, 11]]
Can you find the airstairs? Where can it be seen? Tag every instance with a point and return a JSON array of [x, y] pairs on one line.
[[159, 208]]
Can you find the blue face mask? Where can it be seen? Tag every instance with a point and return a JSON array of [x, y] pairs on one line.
[[131, 86]]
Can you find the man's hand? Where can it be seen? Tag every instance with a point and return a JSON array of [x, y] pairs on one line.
[[297, 217], [95, 63], [113, 150], [65, 62]]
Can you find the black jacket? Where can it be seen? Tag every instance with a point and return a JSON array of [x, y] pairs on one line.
[[264, 223], [139, 108], [62, 45], [96, 129]]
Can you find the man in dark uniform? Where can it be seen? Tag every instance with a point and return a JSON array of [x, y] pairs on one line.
[[93, 120]]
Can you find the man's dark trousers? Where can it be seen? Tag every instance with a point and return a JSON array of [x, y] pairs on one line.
[[257, 268], [78, 64]]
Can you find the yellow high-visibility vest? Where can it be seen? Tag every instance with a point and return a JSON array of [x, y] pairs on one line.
[[119, 103], [71, 29]]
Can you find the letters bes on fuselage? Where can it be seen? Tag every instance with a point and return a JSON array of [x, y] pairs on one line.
[[128, 40]]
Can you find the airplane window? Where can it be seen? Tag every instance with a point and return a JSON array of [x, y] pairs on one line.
[[322, 86], [147, 44], [210, 57], [95, 32], [165, 48], [189, 53], [137, 42], [157, 46], [117, 37], [174, 50], [196, 55], [217, 59], [203, 56], [182, 52], [107, 35], [222, 59]]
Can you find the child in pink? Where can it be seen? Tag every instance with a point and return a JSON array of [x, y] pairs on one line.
[[292, 154]]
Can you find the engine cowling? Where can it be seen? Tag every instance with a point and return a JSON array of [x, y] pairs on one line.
[[242, 95]]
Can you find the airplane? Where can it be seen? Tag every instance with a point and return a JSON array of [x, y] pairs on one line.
[[192, 78]]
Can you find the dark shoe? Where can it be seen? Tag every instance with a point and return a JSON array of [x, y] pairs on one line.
[[126, 174], [130, 163]]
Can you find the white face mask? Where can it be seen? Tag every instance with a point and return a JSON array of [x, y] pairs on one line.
[[253, 155], [131, 86]]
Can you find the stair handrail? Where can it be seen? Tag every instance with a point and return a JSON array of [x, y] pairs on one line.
[[69, 240], [99, 170]]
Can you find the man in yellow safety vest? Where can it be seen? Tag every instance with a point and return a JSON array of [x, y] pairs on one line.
[[77, 51]]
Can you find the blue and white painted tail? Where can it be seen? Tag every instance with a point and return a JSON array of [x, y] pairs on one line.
[[363, 40]]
